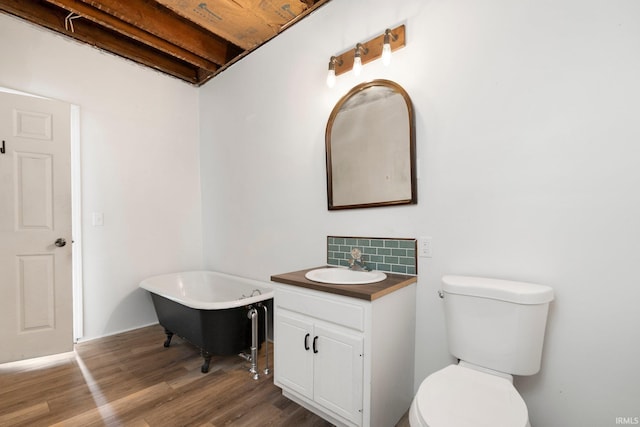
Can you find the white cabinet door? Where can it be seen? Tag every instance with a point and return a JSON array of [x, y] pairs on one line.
[[293, 356], [338, 371]]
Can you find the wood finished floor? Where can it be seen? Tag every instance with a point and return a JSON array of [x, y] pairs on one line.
[[130, 379]]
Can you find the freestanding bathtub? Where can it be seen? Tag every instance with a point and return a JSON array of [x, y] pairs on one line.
[[210, 310]]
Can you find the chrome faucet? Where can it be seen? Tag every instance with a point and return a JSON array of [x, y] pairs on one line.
[[356, 263]]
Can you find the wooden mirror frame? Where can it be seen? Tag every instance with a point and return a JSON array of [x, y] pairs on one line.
[[404, 198]]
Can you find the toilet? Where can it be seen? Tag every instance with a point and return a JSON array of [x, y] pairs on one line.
[[496, 329]]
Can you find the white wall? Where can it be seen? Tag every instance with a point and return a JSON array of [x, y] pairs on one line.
[[527, 131], [527, 135], [139, 142]]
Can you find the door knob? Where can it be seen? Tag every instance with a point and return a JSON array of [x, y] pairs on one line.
[[60, 242]]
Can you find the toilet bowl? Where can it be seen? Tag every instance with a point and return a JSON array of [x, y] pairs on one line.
[[457, 396]]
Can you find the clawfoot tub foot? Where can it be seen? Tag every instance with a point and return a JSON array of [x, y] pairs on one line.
[[207, 360], [167, 342]]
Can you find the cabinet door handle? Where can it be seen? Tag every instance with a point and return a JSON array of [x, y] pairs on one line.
[[315, 341], [306, 342]]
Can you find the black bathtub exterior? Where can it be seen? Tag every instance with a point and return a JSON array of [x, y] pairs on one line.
[[215, 332]]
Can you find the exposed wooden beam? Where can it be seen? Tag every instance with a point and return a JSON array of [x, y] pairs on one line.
[[163, 23], [246, 23], [52, 17], [165, 34], [317, 4], [104, 19]]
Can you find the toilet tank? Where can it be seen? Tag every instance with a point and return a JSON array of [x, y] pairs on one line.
[[496, 324]]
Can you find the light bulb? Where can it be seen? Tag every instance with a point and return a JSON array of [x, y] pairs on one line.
[[357, 59], [386, 47], [331, 75], [331, 78], [357, 65], [386, 54]]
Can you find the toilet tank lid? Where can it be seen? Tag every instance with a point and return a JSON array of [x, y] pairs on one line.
[[503, 290]]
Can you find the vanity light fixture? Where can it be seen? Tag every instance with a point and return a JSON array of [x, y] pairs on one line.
[[354, 59]]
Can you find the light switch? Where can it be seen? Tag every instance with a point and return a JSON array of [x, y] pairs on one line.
[[97, 219]]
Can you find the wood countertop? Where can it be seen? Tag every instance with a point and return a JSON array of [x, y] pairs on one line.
[[369, 291]]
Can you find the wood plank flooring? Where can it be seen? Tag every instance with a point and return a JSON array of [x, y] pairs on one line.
[[130, 379]]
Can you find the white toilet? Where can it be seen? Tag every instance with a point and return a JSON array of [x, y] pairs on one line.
[[496, 329]]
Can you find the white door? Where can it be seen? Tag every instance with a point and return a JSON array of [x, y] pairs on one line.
[[35, 213]]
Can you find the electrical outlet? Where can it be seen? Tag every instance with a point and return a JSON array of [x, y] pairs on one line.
[[425, 247]]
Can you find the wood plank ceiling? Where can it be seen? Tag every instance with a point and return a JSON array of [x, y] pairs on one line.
[[189, 39]]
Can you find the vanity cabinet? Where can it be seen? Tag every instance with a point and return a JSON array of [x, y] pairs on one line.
[[321, 362], [349, 360]]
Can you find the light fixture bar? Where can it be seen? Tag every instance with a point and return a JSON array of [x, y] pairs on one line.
[[373, 47]]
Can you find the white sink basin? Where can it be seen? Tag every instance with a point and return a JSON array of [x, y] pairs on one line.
[[344, 276]]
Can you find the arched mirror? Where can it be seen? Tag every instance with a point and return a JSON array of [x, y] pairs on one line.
[[370, 143]]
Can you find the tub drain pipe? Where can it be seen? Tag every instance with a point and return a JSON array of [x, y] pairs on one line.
[[253, 315], [266, 339]]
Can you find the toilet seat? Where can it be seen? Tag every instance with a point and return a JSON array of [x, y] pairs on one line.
[[457, 396]]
